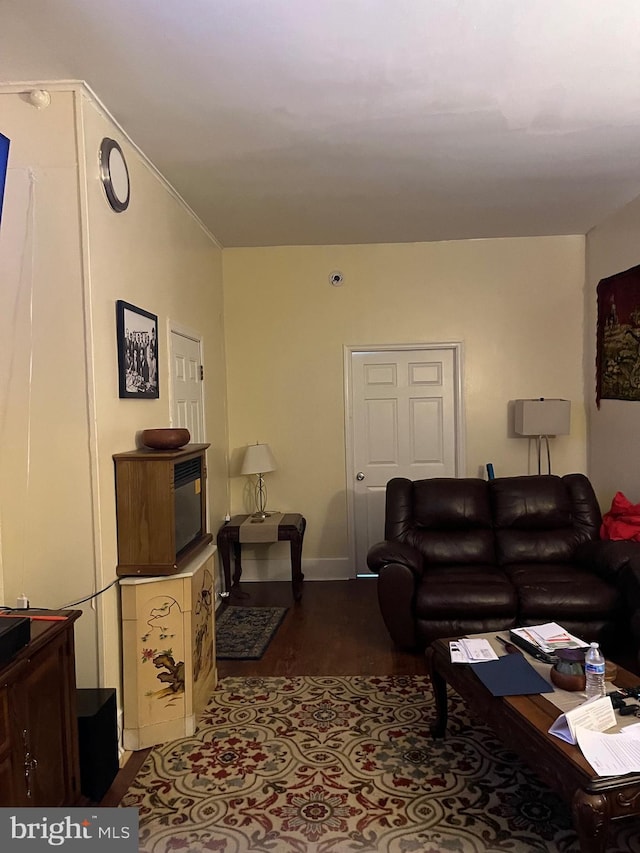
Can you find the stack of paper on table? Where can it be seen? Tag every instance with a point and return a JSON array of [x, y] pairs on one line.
[[611, 754], [587, 725], [471, 651], [549, 637]]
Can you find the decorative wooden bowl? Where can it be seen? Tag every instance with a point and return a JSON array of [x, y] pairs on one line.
[[567, 681], [568, 672], [165, 439]]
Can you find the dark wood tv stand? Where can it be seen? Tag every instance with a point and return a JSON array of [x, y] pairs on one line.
[[146, 512]]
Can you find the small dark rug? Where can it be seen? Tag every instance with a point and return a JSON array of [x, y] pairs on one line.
[[243, 633]]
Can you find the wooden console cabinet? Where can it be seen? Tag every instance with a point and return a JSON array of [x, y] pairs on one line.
[[39, 763], [161, 509]]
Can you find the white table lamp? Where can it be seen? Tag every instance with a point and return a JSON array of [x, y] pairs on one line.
[[258, 459]]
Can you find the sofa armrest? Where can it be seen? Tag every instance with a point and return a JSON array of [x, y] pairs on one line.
[[384, 553], [609, 558], [617, 561]]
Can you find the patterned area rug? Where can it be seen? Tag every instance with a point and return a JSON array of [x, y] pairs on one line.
[[338, 764], [243, 633]]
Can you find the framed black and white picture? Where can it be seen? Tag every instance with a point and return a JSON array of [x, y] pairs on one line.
[[137, 352]]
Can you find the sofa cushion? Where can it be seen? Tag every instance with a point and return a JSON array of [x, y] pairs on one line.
[[533, 520], [552, 592], [462, 591], [451, 521], [530, 546], [428, 630], [530, 503], [451, 504], [452, 548]]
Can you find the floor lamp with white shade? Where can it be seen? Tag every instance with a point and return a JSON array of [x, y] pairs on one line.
[[539, 418]]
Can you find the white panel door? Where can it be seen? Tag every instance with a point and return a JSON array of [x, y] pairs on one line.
[[188, 404], [405, 420]]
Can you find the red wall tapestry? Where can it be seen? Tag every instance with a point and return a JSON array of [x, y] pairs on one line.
[[618, 337]]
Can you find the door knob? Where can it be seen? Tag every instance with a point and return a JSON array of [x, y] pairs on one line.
[[359, 476]]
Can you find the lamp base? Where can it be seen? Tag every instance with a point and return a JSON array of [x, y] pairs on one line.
[[261, 500], [540, 440]]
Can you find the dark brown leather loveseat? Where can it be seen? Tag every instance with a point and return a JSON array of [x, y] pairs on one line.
[[465, 556]]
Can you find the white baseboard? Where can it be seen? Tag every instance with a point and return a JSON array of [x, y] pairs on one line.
[[322, 569]]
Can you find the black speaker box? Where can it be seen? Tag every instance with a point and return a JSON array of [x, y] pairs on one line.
[[98, 740]]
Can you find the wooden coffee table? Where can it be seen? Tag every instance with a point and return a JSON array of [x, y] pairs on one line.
[[522, 723]]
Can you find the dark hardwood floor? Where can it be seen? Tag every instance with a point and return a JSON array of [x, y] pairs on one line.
[[336, 629]]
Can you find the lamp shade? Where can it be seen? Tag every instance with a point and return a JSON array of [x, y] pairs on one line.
[[258, 459], [543, 416]]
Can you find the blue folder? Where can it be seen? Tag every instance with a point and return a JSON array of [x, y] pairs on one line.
[[511, 675]]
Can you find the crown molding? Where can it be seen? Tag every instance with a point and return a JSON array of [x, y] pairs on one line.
[[82, 89]]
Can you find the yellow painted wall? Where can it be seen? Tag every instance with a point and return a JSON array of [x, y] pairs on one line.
[[45, 485], [516, 304], [157, 256], [614, 457], [61, 428]]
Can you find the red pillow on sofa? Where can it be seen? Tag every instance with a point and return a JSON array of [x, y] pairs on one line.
[[622, 521]]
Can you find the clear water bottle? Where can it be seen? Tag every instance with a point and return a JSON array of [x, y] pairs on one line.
[[594, 671]]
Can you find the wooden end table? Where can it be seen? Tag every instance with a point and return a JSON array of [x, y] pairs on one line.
[[291, 529], [522, 722]]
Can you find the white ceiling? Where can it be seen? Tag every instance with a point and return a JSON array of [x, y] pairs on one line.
[[287, 122]]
